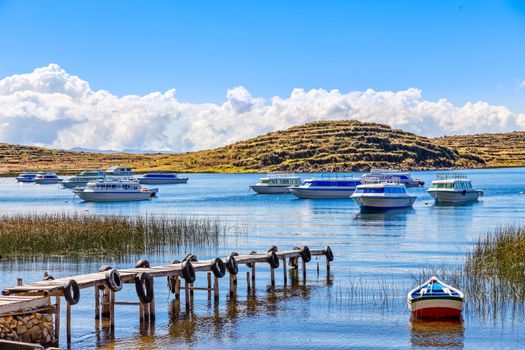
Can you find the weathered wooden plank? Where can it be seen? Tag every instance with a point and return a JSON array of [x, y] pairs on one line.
[[18, 304]]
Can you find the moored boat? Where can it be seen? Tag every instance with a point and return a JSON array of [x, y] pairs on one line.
[[382, 175], [382, 196], [83, 178], [117, 171], [329, 188], [47, 179], [276, 183], [453, 188], [161, 178], [435, 299], [26, 177], [115, 191]]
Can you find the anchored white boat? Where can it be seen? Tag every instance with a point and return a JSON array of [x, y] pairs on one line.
[[383, 195], [83, 178], [453, 188], [116, 171], [342, 187], [435, 299], [47, 179], [162, 178], [382, 175], [26, 177], [276, 183], [115, 191]]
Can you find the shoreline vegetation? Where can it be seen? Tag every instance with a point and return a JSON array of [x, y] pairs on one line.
[[87, 235], [328, 146]]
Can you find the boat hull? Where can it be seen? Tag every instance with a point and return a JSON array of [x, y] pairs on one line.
[[24, 180], [116, 196], [436, 307], [273, 189], [455, 196], [322, 193], [47, 181], [162, 181], [385, 202]]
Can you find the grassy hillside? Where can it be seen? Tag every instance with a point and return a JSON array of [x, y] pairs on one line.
[[496, 150], [319, 146]]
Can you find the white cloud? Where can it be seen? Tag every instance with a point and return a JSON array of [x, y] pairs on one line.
[[53, 108]]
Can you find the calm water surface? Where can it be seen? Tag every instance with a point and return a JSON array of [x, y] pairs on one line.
[[340, 311]]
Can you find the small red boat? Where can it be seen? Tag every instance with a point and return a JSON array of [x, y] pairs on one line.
[[435, 299]]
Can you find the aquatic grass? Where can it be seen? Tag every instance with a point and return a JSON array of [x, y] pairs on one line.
[[74, 234]]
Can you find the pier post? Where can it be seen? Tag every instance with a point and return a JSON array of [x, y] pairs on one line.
[[112, 311], [272, 276], [177, 288], [105, 302], [253, 276], [216, 288], [151, 305], [285, 271], [318, 269], [248, 288], [68, 323], [19, 281], [57, 318], [327, 264], [187, 294], [209, 285], [97, 303], [304, 270]]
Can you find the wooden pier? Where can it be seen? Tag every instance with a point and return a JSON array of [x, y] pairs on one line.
[[107, 282]]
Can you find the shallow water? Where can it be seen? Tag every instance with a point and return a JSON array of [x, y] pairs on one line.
[[343, 310]]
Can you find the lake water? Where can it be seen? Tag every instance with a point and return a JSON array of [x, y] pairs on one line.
[[340, 311]]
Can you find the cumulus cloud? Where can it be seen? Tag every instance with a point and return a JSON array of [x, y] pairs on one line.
[[52, 108]]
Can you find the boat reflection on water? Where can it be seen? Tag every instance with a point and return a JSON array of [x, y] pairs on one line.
[[400, 214], [448, 334]]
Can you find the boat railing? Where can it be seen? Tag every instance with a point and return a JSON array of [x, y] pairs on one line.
[[451, 176]]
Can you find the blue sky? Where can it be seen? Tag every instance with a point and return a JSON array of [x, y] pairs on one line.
[[461, 50]]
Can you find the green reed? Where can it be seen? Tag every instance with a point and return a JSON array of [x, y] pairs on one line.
[[74, 234]]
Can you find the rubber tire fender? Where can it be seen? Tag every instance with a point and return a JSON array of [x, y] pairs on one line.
[[272, 248], [144, 287], [218, 268], [142, 263], [113, 280], [273, 260], [71, 292], [231, 265], [188, 272], [305, 254], [328, 253]]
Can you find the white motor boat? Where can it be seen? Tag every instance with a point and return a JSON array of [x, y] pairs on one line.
[[83, 178], [435, 299], [276, 183], [161, 178], [382, 175], [342, 187], [382, 196], [115, 191], [26, 177], [47, 179], [453, 188], [116, 171]]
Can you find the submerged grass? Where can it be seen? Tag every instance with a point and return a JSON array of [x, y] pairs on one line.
[[103, 235]]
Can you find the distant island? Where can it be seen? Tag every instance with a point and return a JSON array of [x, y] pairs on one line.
[[325, 146]]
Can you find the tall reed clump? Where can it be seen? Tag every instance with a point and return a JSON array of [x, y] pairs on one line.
[[103, 235]]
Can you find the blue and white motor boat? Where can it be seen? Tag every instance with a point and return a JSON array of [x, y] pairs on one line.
[[382, 175], [83, 178], [26, 177], [435, 299], [115, 191], [383, 195], [47, 179], [276, 183], [342, 187], [161, 178]]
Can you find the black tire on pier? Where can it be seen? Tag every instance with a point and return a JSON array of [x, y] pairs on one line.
[[273, 260], [142, 263], [305, 254], [113, 280], [231, 265], [273, 248], [218, 267], [328, 253], [144, 287], [71, 292], [188, 272]]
